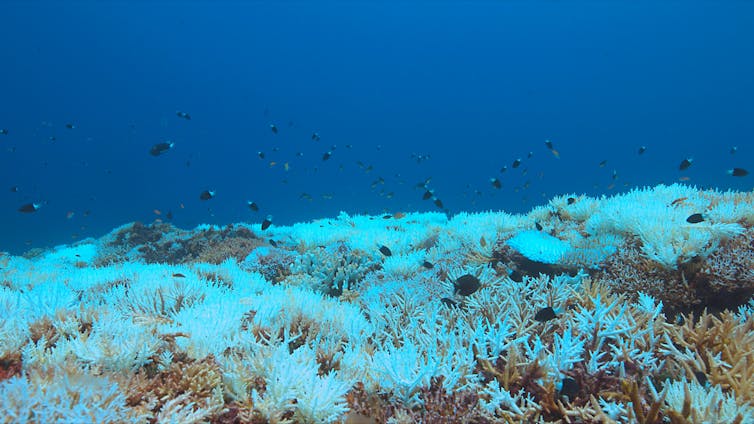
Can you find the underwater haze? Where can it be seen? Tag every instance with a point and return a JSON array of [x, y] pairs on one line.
[[377, 107]]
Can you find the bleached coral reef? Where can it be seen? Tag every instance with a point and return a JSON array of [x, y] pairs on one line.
[[584, 310]]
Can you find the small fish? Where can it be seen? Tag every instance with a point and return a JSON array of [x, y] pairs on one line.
[[615, 174], [701, 377], [545, 314], [385, 251], [253, 206], [496, 183], [438, 203], [516, 163], [529, 155], [179, 275], [571, 200], [274, 128], [449, 302], [273, 243], [466, 285], [206, 195], [157, 212], [183, 115], [69, 214], [161, 148], [4, 131], [738, 172], [684, 178], [642, 149], [555, 153], [733, 149], [695, 218], [428, 264], [14, 189], [30, 207], [603, 163], [315, 136], [260, 155], [327, 155], [503, 169], [428, 195], [684, 165], [70, 126], [267, 222], [569, 387], [538, 226], [169, 215]]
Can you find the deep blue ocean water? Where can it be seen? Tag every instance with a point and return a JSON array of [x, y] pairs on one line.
[[474, 85]]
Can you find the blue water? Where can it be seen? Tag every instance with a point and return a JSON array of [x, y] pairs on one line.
[[473, 85]]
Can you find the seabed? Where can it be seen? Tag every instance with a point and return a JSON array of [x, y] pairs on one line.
[[584, 310]]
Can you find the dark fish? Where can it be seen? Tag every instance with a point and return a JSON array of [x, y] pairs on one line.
[[14, 189], [169, 215], [738, 172], [503, 169], [183, 115], [385, 251], [29, 207], [273, 243], [571, 200], [516, 276], [161, 148], [569, 387], [179, 275], [615, 174], [695, 218], [315, 136], [733, 149], [253, 206], [427, 195], [4, 131], [701, 377], [496, 183], [206, 195], [428, 265], [545, 314], [685, 164], [326, 156], [438, 203], [273, 128], [387, 216], [267, 222], [70, 126], [261, 155], [555, 153], [529, 155], [516, 163], [548, 143], [603, 163], [449, 302], [538, 226], [642, 149], [466, 285]]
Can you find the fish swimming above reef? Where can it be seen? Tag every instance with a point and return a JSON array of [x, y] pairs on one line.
[[466, 285], [685, 164], [695, 218], [496, 183], [206, 195], [545, 314], [738, 172], [267, 222], [274, 128], [183, 115], [160, 148], [29, 207]]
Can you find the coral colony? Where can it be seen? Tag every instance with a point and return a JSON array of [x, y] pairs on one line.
[[631, 308]]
